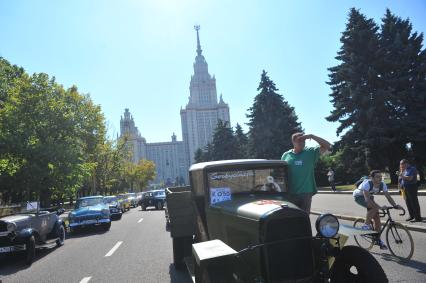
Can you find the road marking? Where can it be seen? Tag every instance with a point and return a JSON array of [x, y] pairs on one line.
[[140, 220], [114, 248], [85, 279]]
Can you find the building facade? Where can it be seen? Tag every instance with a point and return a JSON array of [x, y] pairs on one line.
[[169, 157], [201, 114], [198, 120]]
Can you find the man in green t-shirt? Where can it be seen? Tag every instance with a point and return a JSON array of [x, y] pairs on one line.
[[301, 162]]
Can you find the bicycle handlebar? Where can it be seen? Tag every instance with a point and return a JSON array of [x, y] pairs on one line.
[[387, 208]]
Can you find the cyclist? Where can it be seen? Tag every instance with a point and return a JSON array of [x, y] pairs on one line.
[[363, 196]]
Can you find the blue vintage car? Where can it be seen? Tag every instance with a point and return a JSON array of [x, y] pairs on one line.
[[90, 211], [114, 207]]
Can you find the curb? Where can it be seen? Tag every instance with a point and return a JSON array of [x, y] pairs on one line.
[[414, 228], [420, 193]]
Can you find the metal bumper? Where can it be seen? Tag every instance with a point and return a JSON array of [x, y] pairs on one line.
[[90, 222]]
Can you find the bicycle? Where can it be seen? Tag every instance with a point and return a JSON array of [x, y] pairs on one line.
[[398, 238]]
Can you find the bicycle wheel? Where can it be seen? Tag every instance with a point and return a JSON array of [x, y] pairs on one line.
[[364, 241], [399, 241]]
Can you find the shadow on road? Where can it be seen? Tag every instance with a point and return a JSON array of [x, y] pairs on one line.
[[413, 264], [15, 262], [177, 276], [86, 232]]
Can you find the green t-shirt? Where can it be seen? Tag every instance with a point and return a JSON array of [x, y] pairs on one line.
[[301, 167]]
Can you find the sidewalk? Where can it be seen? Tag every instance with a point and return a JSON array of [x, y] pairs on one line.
[[344, 207]]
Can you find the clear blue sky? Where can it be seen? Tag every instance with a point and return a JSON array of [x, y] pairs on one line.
[[139, 54]]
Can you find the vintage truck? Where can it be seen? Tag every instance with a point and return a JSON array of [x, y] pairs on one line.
[[234, 223]]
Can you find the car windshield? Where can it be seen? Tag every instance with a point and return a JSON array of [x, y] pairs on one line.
[[131, 195], [110, 199], [223, 185], [160, 194], [88, 202]]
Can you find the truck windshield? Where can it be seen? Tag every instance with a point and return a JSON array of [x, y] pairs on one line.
[[224, 185]]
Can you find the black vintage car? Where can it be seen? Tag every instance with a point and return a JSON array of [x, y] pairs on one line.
[[24, 232], [155, 198]]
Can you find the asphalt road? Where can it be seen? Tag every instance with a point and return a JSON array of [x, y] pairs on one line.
[[140, 251], [144, 255]]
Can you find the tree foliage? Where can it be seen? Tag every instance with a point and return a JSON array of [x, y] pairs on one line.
[[378, 92], [272, 122], [53, 141]]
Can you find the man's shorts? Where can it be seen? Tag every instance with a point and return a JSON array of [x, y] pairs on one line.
[[361, 200]]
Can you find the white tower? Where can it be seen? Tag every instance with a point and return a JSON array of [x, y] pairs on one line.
[[199, 118]]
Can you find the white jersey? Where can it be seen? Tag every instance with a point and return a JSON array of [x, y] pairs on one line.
[[365, 186]]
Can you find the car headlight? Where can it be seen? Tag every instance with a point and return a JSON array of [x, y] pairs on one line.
[[327, 225], [11, 227]]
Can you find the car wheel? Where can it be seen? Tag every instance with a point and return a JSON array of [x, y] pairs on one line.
[[107, 226], [355, 264], [30, 250], [61, 236], [143, 207], [159, 205]]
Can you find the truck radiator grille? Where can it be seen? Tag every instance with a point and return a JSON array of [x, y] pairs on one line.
[[293, 259]]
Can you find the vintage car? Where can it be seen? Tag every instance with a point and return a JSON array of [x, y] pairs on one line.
[[133, 199], [27, 231], [235, 223], [114, 207], [124, 202], [90, 211], [155, 198]]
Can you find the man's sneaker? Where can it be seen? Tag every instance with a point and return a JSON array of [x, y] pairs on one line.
[[366, 227], [382, 245]]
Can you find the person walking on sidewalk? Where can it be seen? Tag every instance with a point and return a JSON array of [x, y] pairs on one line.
[[301, 162], [330, 175], [363, 196], [408, 178]]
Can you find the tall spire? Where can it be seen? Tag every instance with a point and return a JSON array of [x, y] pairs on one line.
[[197, 28]]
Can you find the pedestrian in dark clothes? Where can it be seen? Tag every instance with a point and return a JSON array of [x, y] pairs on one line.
[[408, 177]]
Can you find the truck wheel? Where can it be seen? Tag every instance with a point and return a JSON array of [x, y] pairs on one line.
[[61, 236], [143, 207], [178, 253], [30, 250], [159, 205], [354, 264]]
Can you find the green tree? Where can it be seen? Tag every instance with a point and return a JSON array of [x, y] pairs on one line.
[[242, 142], [224, 143], [356, 96], [272, 122], [45, 133]]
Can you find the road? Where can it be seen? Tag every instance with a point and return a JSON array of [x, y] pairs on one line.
[[144, 255], [140, 251]]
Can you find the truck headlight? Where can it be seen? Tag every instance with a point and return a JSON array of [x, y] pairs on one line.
[[11, 227], [327, 225]]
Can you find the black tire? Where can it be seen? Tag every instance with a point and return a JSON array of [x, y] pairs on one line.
[[30, 250], [107, 226], [399, 241], [182, 247], [178, 253], [159, 205], [143, 207], [366, 241], [61, 236], [355, 264]]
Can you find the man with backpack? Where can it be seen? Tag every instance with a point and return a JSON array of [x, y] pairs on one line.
[[363, 196]]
